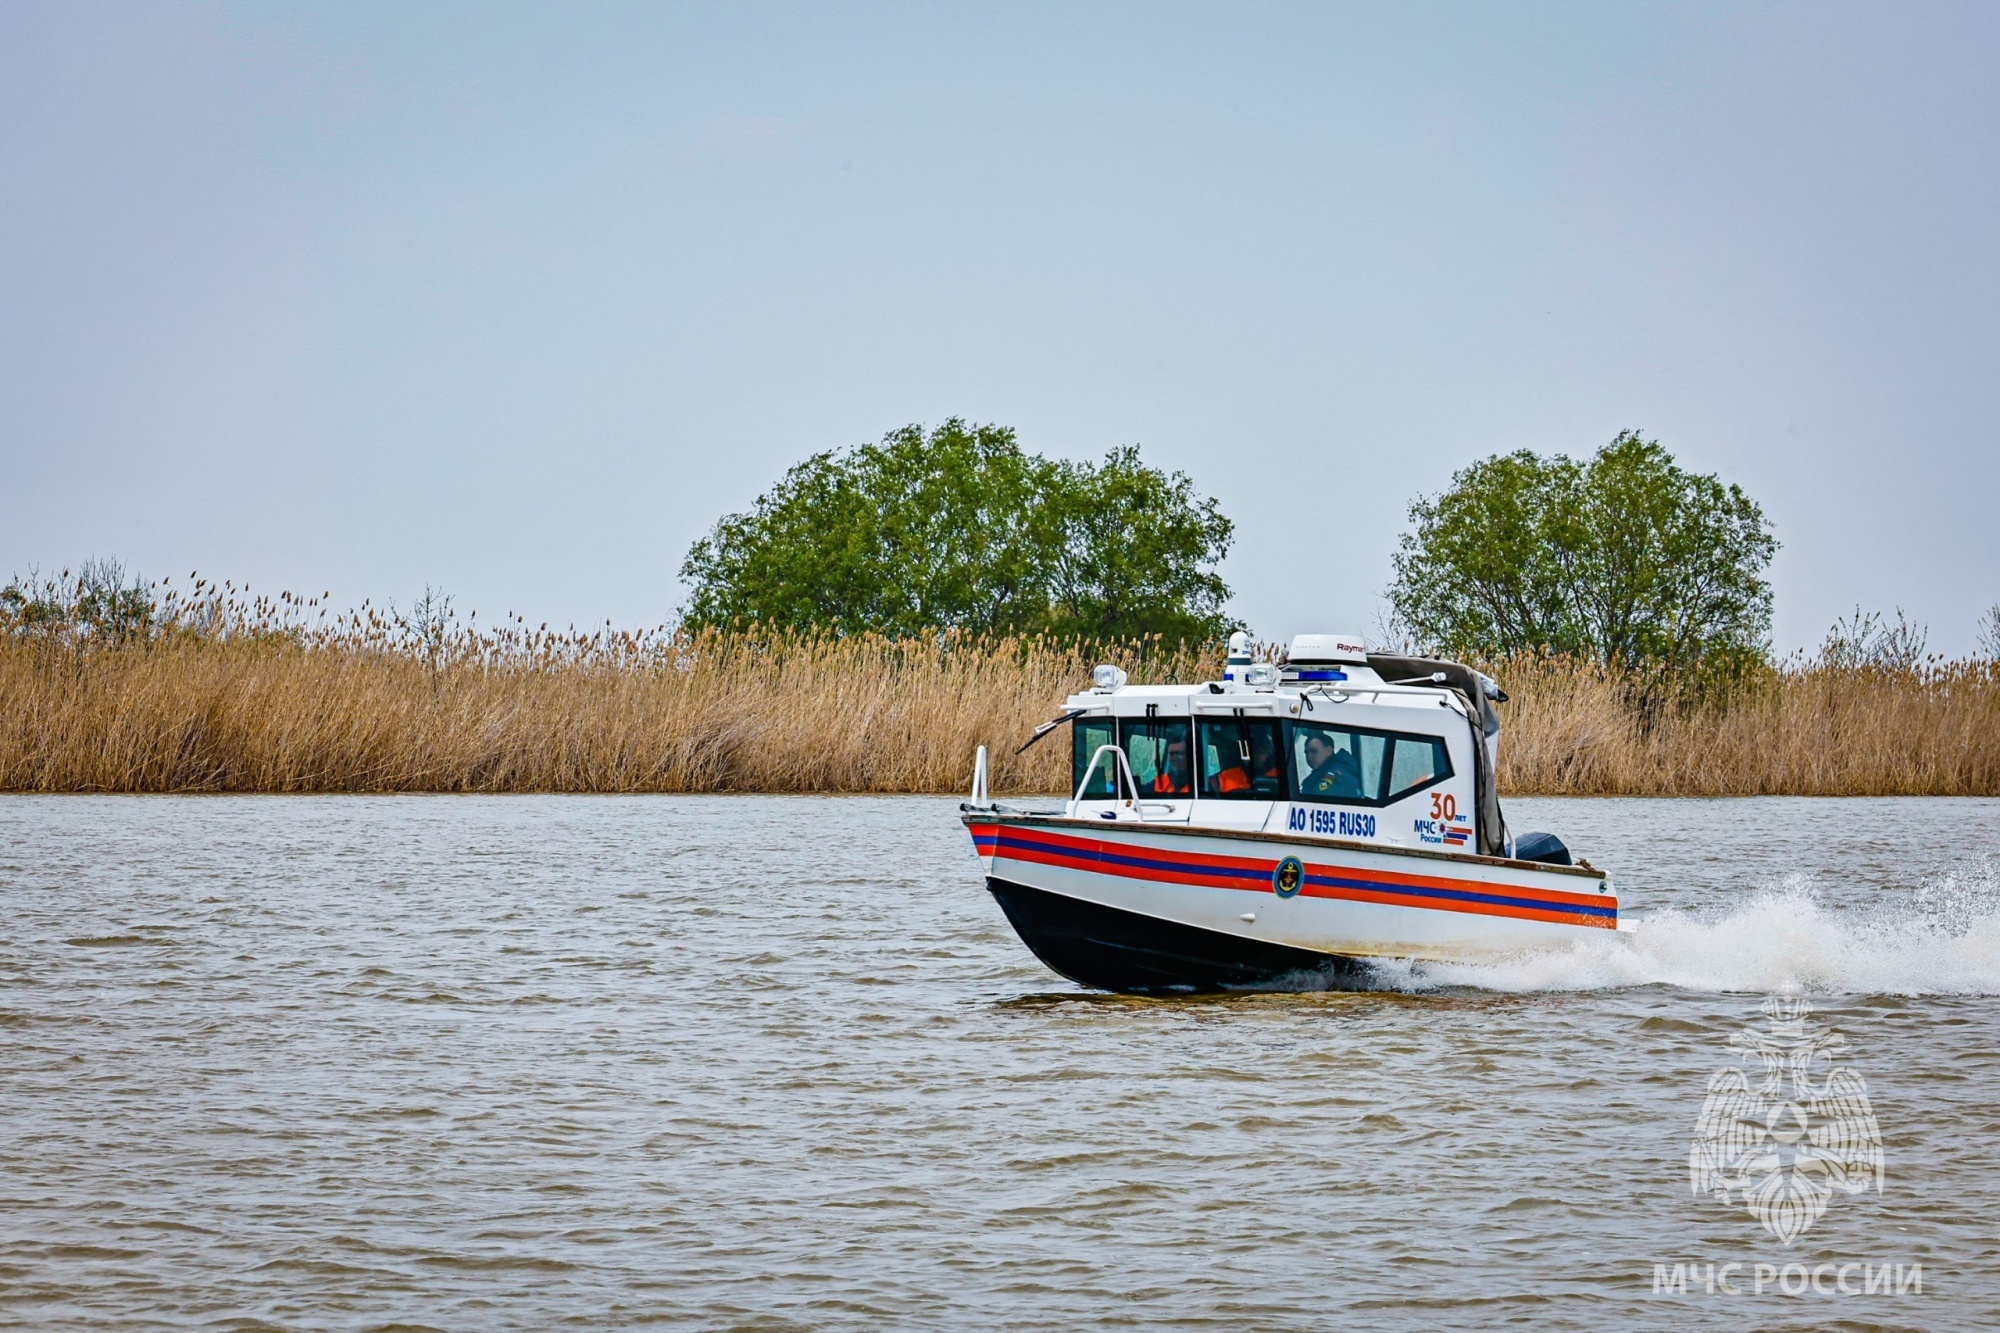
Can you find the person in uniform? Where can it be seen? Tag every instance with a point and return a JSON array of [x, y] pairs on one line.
[[1334, 771], [1172, 779]]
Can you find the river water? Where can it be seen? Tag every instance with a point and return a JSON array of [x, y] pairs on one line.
[[775, 1063]]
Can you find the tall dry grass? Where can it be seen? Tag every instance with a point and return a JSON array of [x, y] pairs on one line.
[[1804, 728], [219, 693], [211, 691]]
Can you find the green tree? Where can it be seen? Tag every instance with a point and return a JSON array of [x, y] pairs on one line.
[[1625, 557], [1125, 549], [961, 528], [99, 604]]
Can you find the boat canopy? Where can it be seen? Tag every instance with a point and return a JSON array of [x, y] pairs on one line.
[[1480, 693]]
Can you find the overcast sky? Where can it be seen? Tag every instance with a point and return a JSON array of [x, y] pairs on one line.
[[517, 300]]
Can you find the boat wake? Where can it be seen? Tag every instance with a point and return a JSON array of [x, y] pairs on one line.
[[1941, 939]]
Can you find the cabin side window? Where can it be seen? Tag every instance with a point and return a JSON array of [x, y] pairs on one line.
[[1419, 762], [1157, 748], [1240, 760], [1360, 767], [1085, 737], [1338, 763]]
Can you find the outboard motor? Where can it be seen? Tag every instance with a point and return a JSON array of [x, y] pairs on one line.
[[1544, 847]]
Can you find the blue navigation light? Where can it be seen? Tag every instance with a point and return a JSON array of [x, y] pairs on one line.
[[1322, 675]]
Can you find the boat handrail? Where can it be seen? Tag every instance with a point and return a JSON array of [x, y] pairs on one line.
[[1123, 769]]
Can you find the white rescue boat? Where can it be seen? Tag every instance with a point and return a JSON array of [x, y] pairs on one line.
[[1280, 827]]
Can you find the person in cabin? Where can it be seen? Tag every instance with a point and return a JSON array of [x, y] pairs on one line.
[[1267, 759], [1235, 777], [1173, 776], [1334, 771]]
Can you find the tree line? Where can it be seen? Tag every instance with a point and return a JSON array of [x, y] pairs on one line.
[[1624, 556], [1621, 557], [961, 528]]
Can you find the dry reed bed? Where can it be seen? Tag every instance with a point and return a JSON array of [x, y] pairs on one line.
[[1805, 730], [669, 714], [270, 711]]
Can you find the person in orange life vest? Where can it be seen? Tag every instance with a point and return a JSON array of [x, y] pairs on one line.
[[1172, 779], [1236, 777]]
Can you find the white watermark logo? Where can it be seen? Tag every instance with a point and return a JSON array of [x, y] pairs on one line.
[[1784, 1133], [1753, 1279]]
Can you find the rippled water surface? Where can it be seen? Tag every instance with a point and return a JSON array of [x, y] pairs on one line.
[[476, 1063]]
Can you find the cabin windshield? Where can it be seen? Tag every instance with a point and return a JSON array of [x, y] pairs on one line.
[[1087, 736], [1256, 759], [1241, 760], [1157, 748]]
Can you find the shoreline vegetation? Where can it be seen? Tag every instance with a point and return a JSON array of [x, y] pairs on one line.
[[211, 690]]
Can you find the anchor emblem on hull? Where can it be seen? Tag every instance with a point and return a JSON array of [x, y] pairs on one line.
[[1288, 878]]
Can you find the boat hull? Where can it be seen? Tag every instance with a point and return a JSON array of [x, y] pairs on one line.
[[1143, 908], [1109, 948]]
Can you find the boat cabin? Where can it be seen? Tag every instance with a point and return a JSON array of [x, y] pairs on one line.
[[1334, 742]]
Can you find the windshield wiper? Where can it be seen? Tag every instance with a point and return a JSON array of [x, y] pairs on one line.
[[1050, 726]]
